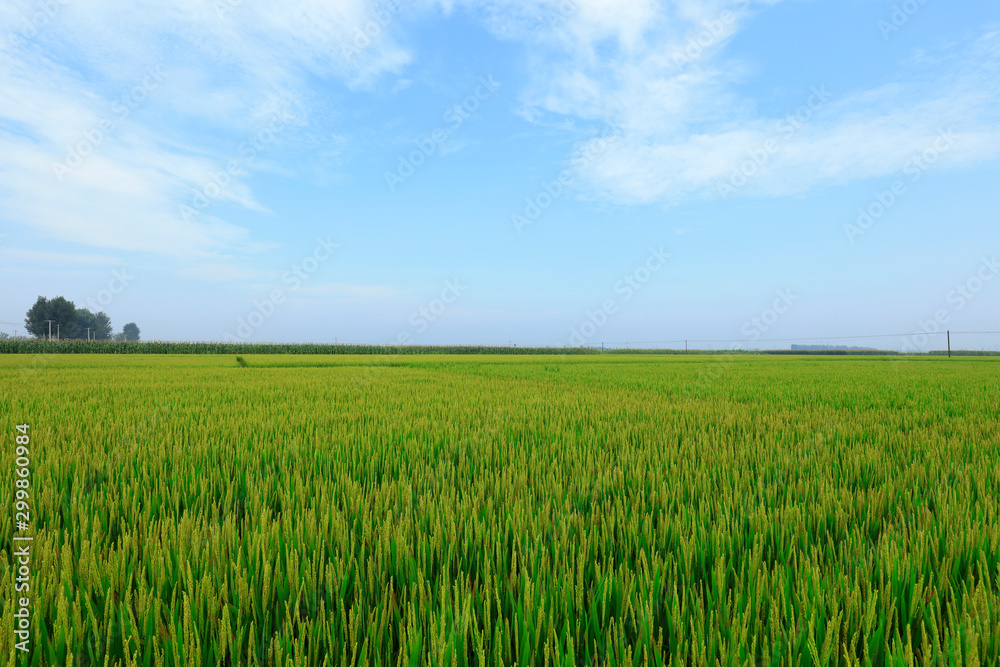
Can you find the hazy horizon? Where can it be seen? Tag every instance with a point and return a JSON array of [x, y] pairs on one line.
[[534, 173]]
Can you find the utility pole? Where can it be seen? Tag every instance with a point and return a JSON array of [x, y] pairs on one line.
[[50, 328], [949, 343], [685, 346], [88, 334], [58, 327]]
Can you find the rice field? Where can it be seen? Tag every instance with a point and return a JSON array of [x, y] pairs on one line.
[[486, 511]]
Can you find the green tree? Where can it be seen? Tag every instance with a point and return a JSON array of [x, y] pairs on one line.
[[130, 331], [103, 323], [98, 323], [61, 312], [35, 318], [84, 323]]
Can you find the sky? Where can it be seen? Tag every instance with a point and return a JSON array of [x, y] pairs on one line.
[[560, 172]]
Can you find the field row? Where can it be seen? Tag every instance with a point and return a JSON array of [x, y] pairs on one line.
[[482, 511]]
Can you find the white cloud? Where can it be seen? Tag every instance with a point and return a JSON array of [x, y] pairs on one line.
[[662, 73], [864, 135], [223, 73], [59, 258], [660, 70]]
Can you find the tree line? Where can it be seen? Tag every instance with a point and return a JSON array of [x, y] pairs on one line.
[[60, 318]]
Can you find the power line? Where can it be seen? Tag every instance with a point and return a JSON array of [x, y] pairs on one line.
[[787, 340]]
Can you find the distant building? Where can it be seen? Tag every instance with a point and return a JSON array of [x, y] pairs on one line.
[[815, 348]]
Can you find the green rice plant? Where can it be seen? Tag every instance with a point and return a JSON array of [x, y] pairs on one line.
[[506, 510]]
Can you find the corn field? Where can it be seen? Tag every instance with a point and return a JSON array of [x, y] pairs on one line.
[[47, 347], [505, 510]]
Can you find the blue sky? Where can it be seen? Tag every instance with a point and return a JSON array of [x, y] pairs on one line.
[[555, 172]]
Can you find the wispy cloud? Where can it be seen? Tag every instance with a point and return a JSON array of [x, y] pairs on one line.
[[661, 72], [861, 135], [70, 92], [58, 258]]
